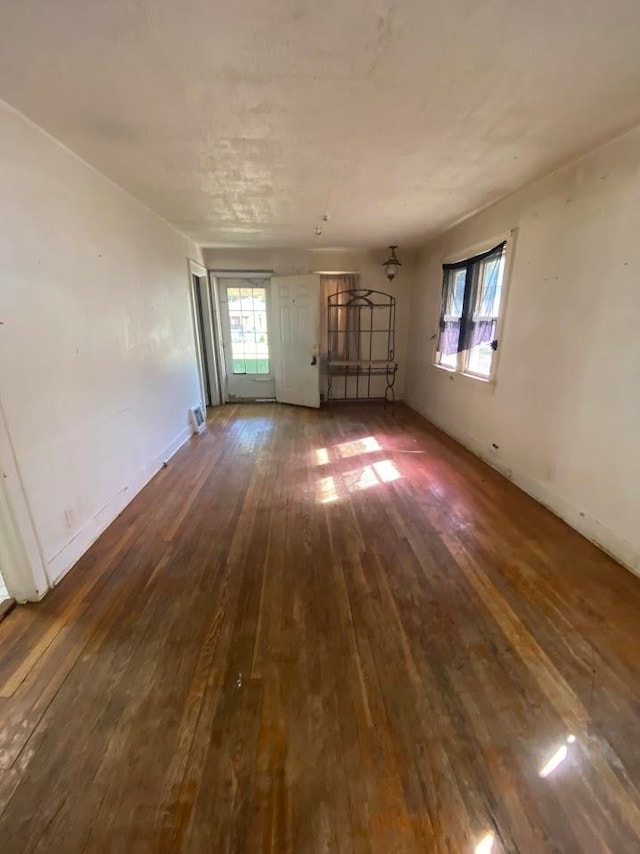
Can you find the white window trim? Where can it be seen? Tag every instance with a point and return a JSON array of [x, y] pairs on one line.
[[509, 238]]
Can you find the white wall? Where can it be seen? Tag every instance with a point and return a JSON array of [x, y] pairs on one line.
[[286, 262], [565, 410], [97, 360]]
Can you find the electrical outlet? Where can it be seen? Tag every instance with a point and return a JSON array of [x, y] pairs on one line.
[[70, 517]]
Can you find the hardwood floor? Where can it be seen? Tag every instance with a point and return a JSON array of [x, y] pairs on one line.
[[335, 632]]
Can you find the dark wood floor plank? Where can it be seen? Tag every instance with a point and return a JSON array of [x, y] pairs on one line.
[[330, 631]]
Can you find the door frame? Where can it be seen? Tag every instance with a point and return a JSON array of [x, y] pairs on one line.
[[215, 274], [205, 349], [24, 568]]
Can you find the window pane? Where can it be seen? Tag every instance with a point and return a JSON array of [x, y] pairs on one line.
[[457, 297], [479, 361], [247, 309], [448, 360], [451, 316], [484, 318]]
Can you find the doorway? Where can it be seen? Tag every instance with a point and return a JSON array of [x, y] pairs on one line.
[[246, 337], [268, 344], [204, 317]]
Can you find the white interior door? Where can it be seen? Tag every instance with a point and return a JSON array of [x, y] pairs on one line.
[[296, 319]]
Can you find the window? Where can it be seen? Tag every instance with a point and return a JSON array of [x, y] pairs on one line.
[[248, 324], [471, 298]]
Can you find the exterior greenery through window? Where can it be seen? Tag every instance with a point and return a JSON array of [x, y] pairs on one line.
[[471, 298], [248, 323]]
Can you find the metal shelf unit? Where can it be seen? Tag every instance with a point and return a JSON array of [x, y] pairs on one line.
[[361, 345]]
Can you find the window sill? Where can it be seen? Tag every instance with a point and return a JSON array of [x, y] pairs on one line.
[[487, 386]]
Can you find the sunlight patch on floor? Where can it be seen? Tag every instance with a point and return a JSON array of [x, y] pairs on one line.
[[344, 450], [341, 485]]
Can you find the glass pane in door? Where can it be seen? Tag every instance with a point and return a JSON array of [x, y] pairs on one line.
[[247, 307]]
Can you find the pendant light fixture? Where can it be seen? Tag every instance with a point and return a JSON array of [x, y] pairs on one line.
[[392, 265]]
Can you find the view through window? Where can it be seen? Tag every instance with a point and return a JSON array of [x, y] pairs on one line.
[[249, 336]]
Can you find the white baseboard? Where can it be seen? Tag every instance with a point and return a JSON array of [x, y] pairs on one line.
[[613, 544], [69, 555]]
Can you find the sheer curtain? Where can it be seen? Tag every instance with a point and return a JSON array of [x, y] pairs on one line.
[[452, 303], [343, 340]]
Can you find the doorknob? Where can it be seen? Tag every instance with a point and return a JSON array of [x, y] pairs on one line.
[[314, 360]]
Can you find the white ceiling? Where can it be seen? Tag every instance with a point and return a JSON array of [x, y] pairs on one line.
[[242, 123]]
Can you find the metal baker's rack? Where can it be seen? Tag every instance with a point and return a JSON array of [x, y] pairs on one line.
[[361, 347]]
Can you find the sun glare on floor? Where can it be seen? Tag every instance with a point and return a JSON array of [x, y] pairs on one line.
[[386, 471], [358, 446], [360, 479], [347, 449], [558, 758], [322, 456], [346, 483], [486, 844], [327, 491]]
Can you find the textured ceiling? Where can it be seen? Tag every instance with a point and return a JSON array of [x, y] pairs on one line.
[[243, 123]]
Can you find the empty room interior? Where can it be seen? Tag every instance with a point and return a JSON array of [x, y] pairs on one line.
[[320, 426]]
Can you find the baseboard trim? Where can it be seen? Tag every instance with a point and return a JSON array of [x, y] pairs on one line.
[[70, 554], [596, 532]]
